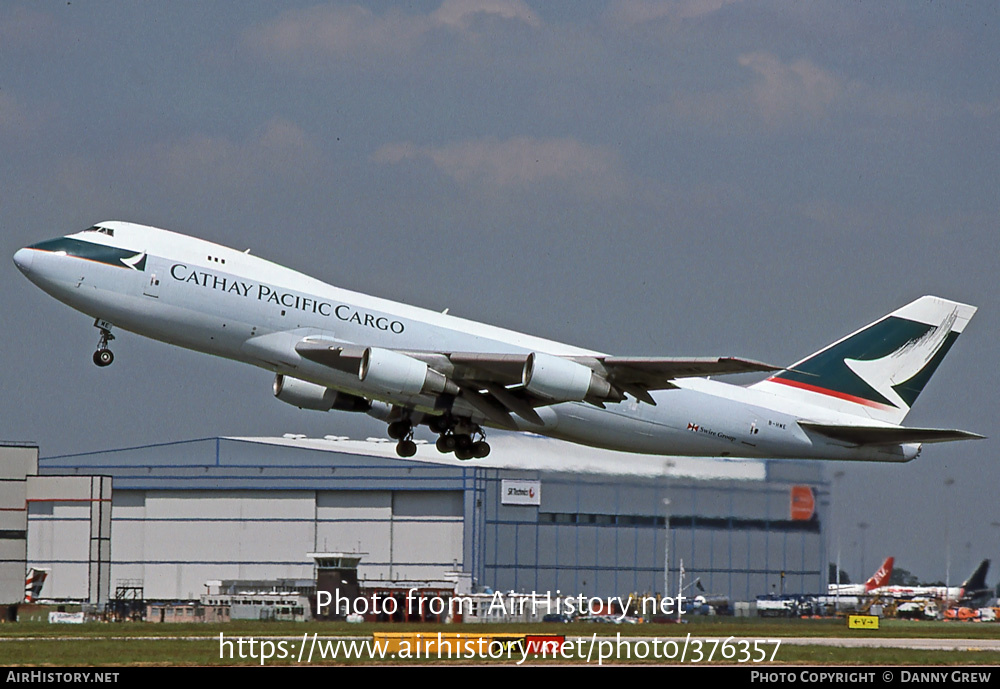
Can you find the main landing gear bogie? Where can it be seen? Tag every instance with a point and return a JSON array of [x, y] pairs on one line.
[[465, 439], [462, 437], [104, 356]]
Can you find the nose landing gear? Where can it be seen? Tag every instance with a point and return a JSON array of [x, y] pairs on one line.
[[103, 356]]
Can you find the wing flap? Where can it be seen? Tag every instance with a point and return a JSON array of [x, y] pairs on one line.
[[655, 373], [649, 373], [887, 435]]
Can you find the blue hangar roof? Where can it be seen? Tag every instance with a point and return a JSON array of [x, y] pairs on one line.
[[295, 462], [246, 463]]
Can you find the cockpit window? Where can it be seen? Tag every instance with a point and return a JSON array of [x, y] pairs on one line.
[[103, 230]]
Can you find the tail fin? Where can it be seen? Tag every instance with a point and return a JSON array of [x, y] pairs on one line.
[[33, 583], [977, 582], [878, 371], [881, 577]]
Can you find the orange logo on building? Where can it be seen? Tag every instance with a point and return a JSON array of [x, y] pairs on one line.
[[803, 504]]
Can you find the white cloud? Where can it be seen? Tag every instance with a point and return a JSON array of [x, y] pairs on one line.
[[202, 172], [633, 12], [777, 94], [799, 94], [280, 149], [334, 29], [983, 109], [460, 13], [350, 30], [202, 165], [789, 90], [519, 163]]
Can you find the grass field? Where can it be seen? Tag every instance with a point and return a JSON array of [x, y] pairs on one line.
[[106, 645]]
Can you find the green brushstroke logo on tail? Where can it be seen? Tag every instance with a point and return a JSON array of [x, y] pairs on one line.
[[886, 365]]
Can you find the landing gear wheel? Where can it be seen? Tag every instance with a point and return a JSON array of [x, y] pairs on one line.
[[398, 430], [463, 454], [406, 448], [103, 356], [463, 443], [445, 444], [480, 449], [440, 424]]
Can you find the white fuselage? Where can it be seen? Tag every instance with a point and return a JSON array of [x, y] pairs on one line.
[[210, 298], [950, 593]]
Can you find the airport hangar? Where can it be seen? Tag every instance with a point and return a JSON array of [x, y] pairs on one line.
[[577, 520]]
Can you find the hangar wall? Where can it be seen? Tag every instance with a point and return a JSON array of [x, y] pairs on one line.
[[230, 508], [592, 535], [69, 524], [219, 508], [175, 541], [65, 519], [17, 462]]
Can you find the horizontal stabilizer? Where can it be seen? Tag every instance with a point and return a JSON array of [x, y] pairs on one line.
[[887, 435]]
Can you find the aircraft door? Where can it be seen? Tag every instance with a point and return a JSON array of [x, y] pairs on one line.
[[151, 287]]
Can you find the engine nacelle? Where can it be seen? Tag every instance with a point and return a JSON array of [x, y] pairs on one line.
[[399, 374], [562, 380], [380, 410], [306, 395]]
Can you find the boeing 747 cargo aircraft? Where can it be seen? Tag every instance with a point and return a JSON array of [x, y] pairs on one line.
[[333, 349]]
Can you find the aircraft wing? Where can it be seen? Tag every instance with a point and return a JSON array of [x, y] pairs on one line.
[[497, 380], [633, 375], [887, 435], [651, 373]]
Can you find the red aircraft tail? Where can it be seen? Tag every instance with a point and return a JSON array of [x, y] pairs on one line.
[[881, 577]]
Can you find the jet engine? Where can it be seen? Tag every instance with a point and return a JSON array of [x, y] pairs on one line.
[[400, 374], [306, 395], [562, 380]]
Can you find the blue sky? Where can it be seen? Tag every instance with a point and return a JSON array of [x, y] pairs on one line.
[[671, 178]]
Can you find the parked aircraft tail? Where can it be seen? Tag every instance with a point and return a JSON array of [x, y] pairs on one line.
[[977, 582], [33, 582], [878, 371], [881, 577]]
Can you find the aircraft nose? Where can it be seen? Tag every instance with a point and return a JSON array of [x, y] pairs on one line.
[[22, 259]]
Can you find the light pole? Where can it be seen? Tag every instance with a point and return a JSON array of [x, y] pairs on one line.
[[948, 483], [666, 548], [837, 475], [680, 590], [864, 527]]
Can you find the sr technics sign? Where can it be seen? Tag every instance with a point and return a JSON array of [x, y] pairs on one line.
[[521, 492]]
